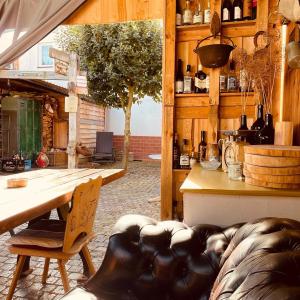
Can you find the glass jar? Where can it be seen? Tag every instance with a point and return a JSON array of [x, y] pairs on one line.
[[235, 171]]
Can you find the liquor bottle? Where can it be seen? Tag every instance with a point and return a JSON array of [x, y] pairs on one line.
[[237, 10], [223, 81], [200, 80], [247, 9], [266, 135], [207, 84], [226, 11], [198, 15], [179, 78], [193, 160], [259, 123], [202, 147], [184, 156], [254, 9], [176, 152], [188, 81], [207, 13], [232, 79], [243, 84], [187, 14], [178, 16]]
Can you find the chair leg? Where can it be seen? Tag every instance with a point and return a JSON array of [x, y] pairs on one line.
[[88, 258], [46, 269], [16, 276], [63, 274]]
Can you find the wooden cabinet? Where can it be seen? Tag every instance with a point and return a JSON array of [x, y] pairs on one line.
[[60, 131], [188, 114]]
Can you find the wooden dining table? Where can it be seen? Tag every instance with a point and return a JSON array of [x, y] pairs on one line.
[[47, 189]]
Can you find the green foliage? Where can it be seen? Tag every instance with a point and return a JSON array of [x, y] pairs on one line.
[[117, 56]]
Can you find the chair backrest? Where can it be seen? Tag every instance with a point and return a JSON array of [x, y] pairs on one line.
[[104, 142], [81, 216]]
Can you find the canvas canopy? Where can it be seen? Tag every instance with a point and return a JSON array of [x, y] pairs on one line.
[[23, 23]]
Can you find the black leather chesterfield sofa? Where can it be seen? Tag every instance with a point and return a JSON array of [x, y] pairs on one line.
[[150, 260]]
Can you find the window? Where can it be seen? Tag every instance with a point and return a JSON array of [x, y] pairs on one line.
[[44, 59]]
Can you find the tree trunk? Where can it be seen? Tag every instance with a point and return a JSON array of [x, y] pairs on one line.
[[127, 128]]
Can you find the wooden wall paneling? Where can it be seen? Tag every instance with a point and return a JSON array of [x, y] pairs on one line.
[[114, 11], [168, 109], [199, 125]]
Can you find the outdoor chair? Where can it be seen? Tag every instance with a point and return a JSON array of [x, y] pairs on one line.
[[104, 151], [59, 239]]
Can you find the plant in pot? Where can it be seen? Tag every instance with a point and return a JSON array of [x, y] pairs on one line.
[[263, 66]]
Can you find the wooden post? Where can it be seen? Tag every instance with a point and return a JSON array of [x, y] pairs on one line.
[[214, 89], [168, 109], [74, 117]]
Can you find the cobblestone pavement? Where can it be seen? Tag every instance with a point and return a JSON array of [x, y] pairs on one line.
[[130, 194]]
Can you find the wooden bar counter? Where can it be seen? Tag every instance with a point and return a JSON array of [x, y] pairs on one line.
[[211, 197]]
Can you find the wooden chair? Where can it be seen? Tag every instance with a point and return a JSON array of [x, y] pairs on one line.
[[59, 239]]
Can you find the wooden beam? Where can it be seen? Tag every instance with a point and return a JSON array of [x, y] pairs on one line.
[[42, 75], [214, 88], [168, 109], [74, 117], [115, 11]]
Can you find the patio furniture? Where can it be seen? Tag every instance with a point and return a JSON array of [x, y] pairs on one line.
[[58, 239], [104, 147], [47, 189], [150, 260]]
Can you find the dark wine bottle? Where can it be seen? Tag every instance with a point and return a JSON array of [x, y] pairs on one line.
[[243, 125], [202, 147], [179, 78], [247, 10], [226, 11], [259, 123], [200, 80], [176, 152], [266, 135], [237, 10], [254, 9]]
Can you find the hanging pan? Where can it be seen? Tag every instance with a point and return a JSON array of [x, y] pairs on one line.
[[214, 55]]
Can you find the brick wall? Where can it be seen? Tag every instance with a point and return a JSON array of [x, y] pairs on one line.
[[141, 146]]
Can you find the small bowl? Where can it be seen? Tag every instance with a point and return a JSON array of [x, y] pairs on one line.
[[17, 182], [210, 164]]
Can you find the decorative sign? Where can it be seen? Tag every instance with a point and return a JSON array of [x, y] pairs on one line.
[[61, 67], [60, 55], [71, 104]]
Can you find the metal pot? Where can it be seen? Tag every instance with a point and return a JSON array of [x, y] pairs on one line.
[[293, 51], [214, 55]]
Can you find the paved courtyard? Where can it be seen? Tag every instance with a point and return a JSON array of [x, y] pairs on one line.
[[130, 194]]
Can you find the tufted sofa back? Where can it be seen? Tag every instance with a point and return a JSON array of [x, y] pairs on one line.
[[146, 260], [161, 260]]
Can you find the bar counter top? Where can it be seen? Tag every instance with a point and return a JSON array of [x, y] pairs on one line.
[[217, 182]]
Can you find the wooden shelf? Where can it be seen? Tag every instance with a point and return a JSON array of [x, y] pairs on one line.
[[232, 29], [191, 95], [232, 94]]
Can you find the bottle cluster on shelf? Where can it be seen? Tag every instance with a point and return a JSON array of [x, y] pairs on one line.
[[183, 158], [187, 83], [188, 16], [230, 81], [238, 10], [232, 10]]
